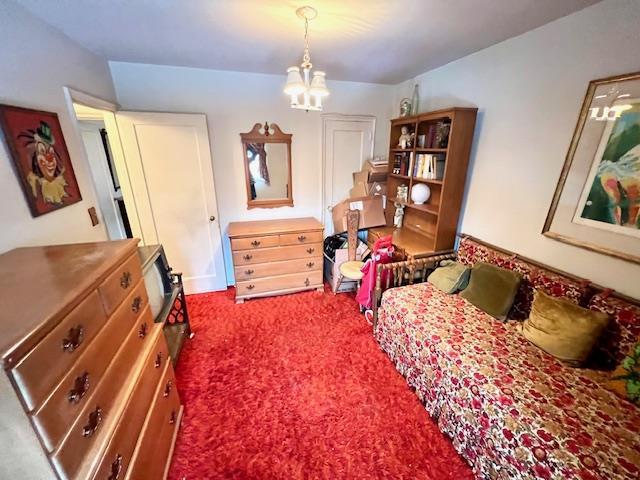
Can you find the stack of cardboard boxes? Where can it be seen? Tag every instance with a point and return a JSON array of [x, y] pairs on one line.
[[368, 195]]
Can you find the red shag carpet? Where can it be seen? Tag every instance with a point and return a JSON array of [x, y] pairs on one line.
[[295, 387]]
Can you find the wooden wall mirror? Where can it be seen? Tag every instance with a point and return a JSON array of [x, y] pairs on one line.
[[267, 166]]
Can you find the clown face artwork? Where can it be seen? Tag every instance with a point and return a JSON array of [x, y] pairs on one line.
[[42, 161]]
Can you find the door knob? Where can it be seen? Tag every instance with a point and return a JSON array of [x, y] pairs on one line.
[[212, 218]]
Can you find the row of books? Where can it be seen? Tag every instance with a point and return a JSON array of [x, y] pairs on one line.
[[429, 166], [401, 163], [437, 135]]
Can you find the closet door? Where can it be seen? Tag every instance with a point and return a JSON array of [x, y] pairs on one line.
[[347, 142], [168, 159]]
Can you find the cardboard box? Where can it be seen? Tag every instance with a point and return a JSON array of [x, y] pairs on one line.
[[371, 212], [359, 190]]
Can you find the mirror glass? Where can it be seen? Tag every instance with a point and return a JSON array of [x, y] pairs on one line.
[[268, 170], [267, 164]]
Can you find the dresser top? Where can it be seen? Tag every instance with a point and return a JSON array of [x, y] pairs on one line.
[[40, 285], [270, 227]]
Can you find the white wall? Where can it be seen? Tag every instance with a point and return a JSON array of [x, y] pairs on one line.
[[36, 61], [233, 102], [529, 91]]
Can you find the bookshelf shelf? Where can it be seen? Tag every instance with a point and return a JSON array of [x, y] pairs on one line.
[[433, 225], [401, 177], [431, 209], [432, 181], [431, 150]]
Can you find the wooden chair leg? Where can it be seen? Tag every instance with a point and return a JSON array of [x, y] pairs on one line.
[[340, 278]]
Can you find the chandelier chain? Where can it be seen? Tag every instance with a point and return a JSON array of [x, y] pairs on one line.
[[306, 57]]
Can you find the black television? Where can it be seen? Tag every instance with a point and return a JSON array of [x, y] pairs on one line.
[[166, 297]]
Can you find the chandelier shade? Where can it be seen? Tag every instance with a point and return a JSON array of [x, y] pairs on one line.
[[306, 93]]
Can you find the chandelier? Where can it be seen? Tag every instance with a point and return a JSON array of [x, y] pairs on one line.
[[311, 90]]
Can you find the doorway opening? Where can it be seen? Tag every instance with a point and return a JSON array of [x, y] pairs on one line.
[[97, 145]]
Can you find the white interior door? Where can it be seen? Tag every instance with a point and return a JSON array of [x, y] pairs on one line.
[[347, 143], [168, 159]]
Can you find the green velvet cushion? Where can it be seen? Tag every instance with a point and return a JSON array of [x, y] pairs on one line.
[[492, 289], [450, 276]]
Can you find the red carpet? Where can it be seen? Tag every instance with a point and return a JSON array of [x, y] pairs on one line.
[[295, 387]]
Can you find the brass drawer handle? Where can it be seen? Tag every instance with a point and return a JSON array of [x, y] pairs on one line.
[[167, 389], [136, 305], [173, 417], [95, 418], [74, 338], [307, 282], [248, 257], [125, 279], [251, 286], [158, 361], [310, 250], [116, 468], [310, 264], [301, 238], [249, 272], [255, 243], [80, 387], [142, 331]]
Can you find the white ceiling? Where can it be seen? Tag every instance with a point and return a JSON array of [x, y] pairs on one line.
[[379, 41]]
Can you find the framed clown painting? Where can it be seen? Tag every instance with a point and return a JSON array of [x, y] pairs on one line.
[[597, 200], [41, 159]]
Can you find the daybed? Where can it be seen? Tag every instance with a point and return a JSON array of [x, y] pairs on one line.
[[512, 410]]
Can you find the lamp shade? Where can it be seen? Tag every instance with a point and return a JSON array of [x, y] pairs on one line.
[[318, 85], [295, 85]]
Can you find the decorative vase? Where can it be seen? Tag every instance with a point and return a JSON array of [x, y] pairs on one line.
[[415, 100], [420, 193]]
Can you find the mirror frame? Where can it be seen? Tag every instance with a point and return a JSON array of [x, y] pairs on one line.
[[266, 134]]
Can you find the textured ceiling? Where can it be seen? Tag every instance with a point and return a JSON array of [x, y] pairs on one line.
[[379, 41]]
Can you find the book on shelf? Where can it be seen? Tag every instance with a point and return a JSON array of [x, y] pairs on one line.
[[401, 163], [429, 166]]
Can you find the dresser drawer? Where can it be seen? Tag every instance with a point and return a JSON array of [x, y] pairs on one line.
[[259, 270], [254, 242], [119, 452], [300, 238], [87, 430], [54, 418], [281, 282], [41, 369], [120, 283], [155, 445], [263, 255]]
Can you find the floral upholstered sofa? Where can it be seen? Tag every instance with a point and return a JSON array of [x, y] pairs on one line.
[[512, 410]]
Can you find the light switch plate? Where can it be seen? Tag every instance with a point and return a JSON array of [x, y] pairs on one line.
[[94, 216]]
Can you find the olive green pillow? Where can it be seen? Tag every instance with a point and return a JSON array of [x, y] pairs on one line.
[[563, 329], [492, 289], [450, 276]]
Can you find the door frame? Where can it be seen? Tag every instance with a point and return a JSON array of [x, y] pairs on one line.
[[326, 118], [72, 96]]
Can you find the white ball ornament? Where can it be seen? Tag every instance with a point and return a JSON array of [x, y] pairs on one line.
[[420, 193]]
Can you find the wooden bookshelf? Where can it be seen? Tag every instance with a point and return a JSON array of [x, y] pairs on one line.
[[435, 222]]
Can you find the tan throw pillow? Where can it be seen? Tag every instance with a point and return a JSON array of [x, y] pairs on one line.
[[563, 329], [492, 289]]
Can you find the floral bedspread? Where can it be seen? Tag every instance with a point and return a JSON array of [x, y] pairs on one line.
[[511, 410]]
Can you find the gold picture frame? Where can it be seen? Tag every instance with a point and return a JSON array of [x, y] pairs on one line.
[[596, 205]]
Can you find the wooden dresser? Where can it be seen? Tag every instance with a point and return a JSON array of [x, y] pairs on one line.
[[274, 257], [88, 389]]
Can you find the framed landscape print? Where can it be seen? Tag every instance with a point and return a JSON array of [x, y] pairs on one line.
[[41, 159], [597, 200]]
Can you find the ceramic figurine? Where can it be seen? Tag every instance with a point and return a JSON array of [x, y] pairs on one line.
[[397, 217], [406, 139]]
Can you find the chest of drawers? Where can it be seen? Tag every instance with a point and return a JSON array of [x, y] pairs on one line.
[[87, 380], [274, 257]]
